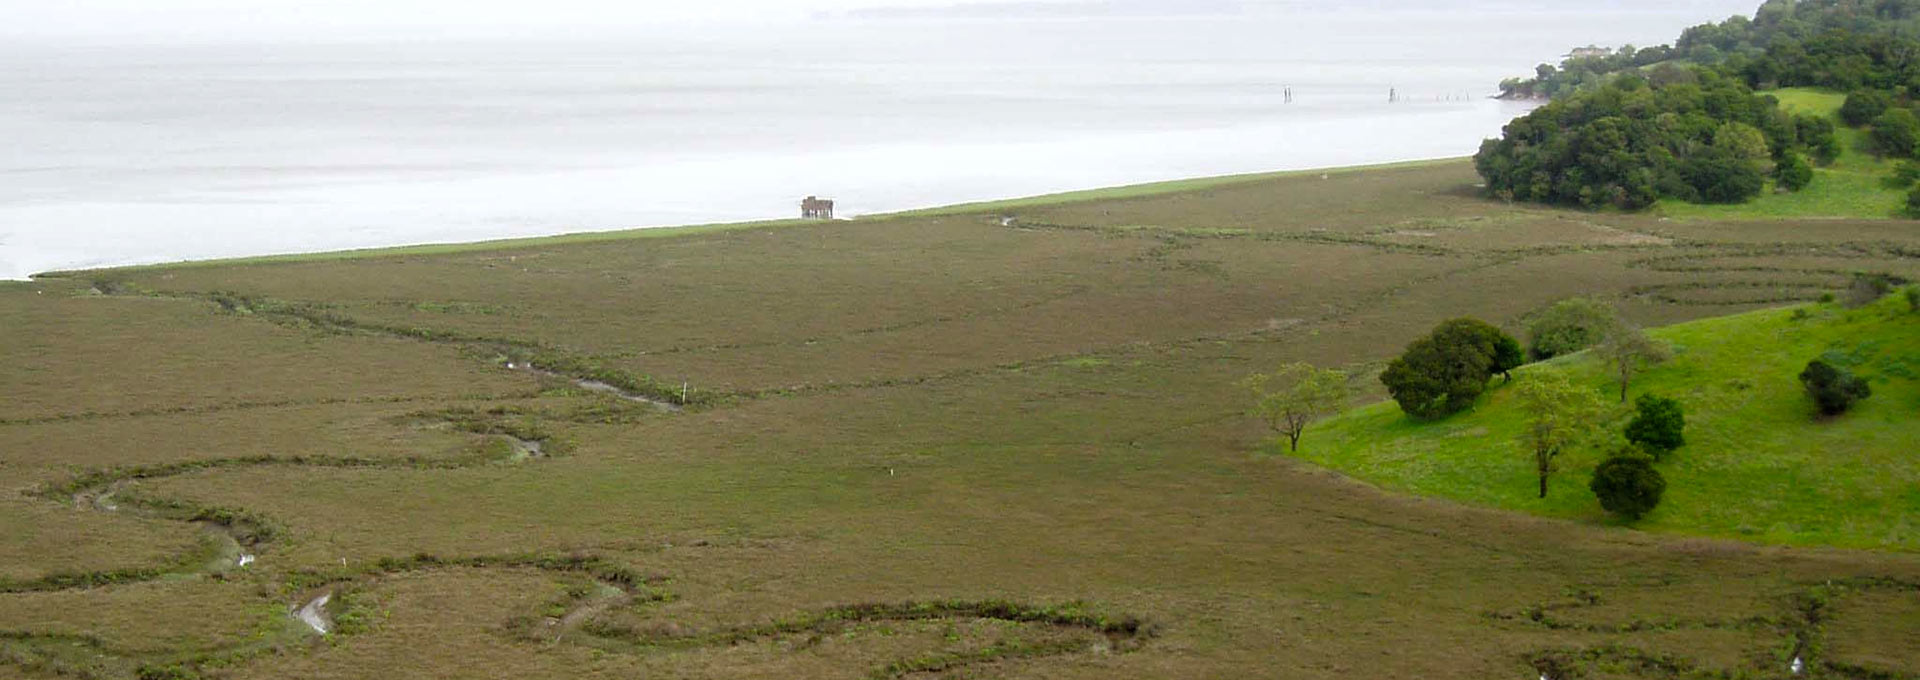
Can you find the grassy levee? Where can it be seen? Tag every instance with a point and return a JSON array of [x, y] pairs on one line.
[[571, 238], [586, 237], [1147, 189], [987, 430], [1759, 463], [1854, 185]]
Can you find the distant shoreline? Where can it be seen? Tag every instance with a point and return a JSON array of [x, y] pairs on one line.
[[633, 233]]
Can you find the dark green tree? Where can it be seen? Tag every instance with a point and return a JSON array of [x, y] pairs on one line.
[[1628, 486], [1658, 426], [1863, 106], [1444, 372], [1507, 354], [1834, 389], [1717, 176], [1817, 135], [1912, 208], [1793, 172], [1896, 133]]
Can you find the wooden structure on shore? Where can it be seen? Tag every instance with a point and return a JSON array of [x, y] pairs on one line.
[[816, 208]]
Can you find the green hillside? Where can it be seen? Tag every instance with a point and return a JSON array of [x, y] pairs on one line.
[[1852, 186], [1758, 464]]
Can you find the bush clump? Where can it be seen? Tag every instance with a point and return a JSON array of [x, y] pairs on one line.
[[1794, 172], [1628, 486], [1833, 389], [1863, 106], [1658, 426], [1569, 326], [1896, 133], [1443, 373], [1819, 136]]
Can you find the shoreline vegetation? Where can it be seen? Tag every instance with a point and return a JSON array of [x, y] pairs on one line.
[[1141, 190], [1800, 110]]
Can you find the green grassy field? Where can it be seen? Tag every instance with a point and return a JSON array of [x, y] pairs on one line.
[[931, 445], [1852, 186], [1759, 465]]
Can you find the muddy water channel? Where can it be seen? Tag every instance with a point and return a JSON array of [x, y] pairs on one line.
[[595, 386]]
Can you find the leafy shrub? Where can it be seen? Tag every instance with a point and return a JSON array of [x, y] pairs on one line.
[[1794, 173], [1834, 389], [1659, 425], [1913, 298], [1863, 106], [1904, 175], [1569, 326], [1716, 175], [1819, 137], [1442, 373], [1896, 133], [1507, 354], [1817, 134], [166, 672], [1628, 486]]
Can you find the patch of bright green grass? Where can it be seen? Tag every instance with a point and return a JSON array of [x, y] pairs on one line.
[[1758, 463], [1816, 101], [1852, 186], [1833, 193]]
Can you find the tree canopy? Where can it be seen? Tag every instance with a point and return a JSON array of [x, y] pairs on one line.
[[1659, 425], [1841, 44], [1833, 388], [1626, 349], [1560, 415], [1628, 486], [1290, 398], [1632, 126], [1444, 372], [1634, 141], [1569, 326]]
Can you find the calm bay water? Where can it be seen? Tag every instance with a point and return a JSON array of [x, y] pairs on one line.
[[121, 154]]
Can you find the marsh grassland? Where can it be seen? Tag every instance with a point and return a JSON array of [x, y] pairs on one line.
[[947, 444]]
